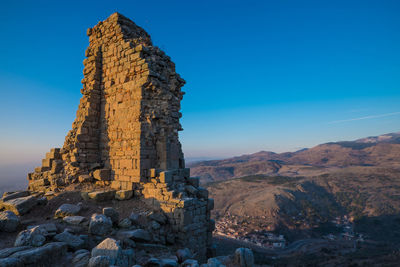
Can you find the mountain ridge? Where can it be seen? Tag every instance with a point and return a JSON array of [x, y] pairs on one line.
[[382, 150]]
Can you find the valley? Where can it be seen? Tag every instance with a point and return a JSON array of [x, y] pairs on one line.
[[342, 193]]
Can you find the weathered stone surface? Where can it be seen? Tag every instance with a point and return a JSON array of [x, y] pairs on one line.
[[85, 178], [75, 220], [214, 262], [20, 205], [42, 256], [99, 261], [11, 262], [110, 248], [112, 214], [47, 229], [74, 242], [190, 263], [124, 194], [67, 210], [100, 224], [244, 257], [153, 262], [102, 195], [6, 252], [134, 217], [81, 259], [138, 235], [125, 223], [12, 195], [158, 217], [9, 222], [169, 263], [183, 254], [102, 174], [34, 237]]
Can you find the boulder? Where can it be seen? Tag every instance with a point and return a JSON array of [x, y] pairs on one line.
[[183, 254], [20, 205], [153, 262], [125, 223], [124, 194], [244, 257], [110, 248], [190, 263], [112, 214], [134, 217], [11, 262], [102, 195], [42, 256], [67, 210], [155, 225], [169, 263], [6, 252], [81, 259], [34, 237], [214, 262], [74, 242], [127, 258], [49, 229], [99, 261], [100, 224], [12, 195], [75, 220], [138, 235], [158, 217], [9, 222]]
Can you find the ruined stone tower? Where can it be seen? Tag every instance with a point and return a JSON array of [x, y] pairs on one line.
[[125, 134]]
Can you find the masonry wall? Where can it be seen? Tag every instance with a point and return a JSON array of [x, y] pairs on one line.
[[126, 131]]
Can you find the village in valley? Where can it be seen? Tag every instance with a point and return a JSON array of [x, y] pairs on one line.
[[231, 226]]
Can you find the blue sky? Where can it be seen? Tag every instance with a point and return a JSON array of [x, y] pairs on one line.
[[261, 75]]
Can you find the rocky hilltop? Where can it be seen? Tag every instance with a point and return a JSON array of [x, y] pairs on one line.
[[118, 192]]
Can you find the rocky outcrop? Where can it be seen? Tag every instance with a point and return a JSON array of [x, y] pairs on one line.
[[9, 222]]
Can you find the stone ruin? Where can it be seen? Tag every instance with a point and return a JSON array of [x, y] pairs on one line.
[[125, 135]]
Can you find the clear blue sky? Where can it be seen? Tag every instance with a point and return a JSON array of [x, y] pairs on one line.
[[261, 75]]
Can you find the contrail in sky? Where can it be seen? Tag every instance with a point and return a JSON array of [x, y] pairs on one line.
[[366, 117]]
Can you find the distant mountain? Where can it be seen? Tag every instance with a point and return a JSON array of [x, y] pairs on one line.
[[383, 150]]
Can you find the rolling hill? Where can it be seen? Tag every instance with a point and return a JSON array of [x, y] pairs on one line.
[[383, 151]]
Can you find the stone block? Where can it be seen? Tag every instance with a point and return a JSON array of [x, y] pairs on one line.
[[165, 177], [67, 210], [102, 195], [11, 195], [194, 181], [102, 174], [19, 206], [124, 194], [202, 193]]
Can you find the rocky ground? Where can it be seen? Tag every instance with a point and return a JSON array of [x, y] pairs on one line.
[[100, 228]]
